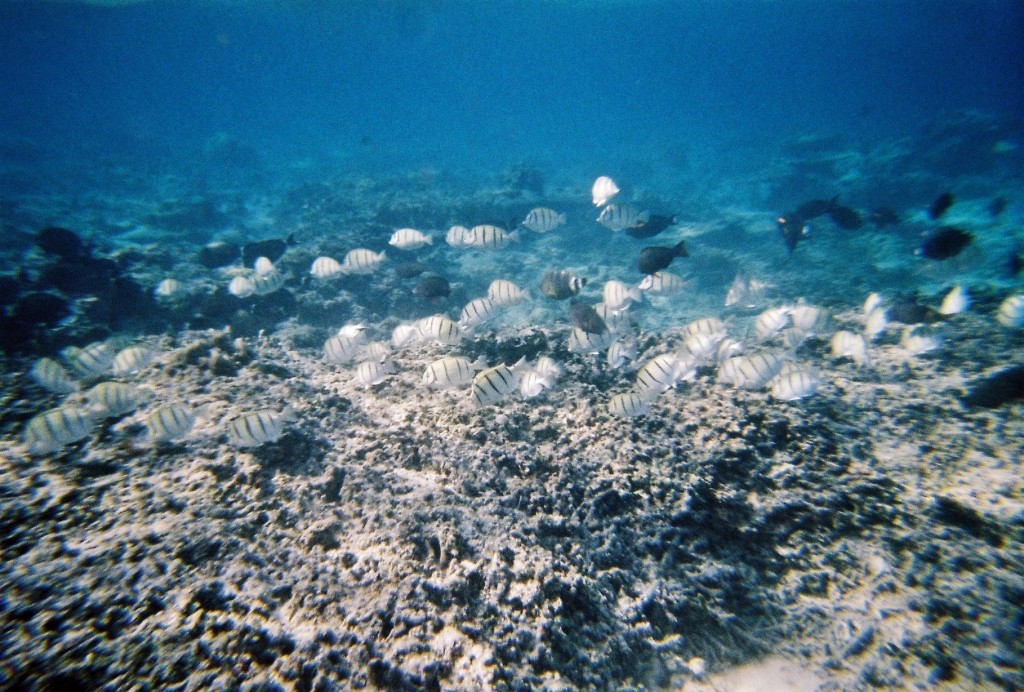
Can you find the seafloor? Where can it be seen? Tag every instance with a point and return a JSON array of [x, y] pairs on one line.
[[397, 537]]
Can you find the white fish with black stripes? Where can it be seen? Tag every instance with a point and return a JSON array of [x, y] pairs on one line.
[[504, 293], [261, 427], [489, 237], [492, 385], [53, 377], [53, 429], [362, 261], [452, 371], [170, 422], [619, 217], [543, 220], [409, 239]]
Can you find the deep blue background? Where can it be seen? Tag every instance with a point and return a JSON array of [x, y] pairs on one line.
[[486, 82]]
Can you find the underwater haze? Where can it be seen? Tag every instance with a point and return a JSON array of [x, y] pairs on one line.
[[582, 345]]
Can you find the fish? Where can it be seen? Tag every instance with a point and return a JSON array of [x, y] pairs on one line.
[[53, 377], [131, 360], [543, 220], [750, 372], [62, 242], [844, 217], [702, 346], [585, 318], [488, 237], [876, 322], [258, 428], [956, 301], [941, 205], [661, 283], [808, 319], [272, 249], [654, 225], [620, 353], [793, 384], [440, 329], [618, 217], [263, 266], [352, 330], [547, 367], [727, 348], [908, 311], [944, 243], [432, 287], [375, 350], [655, 258], [664, 372], [452, 371], [814, 208], [342, 348], [53, 429], [711, 326], [218, 254], [846, 344], [90, 362], [872, 302], [170, 422], [532, 383], [604, 189], [585, 342], [477, 312], [997, 389], [409, 239], [492, 385], [456, 236], [772, 321], [372, 372], [618, 296], [112, 399], [561, 284], [1011, 311], [242, 287], [168, 288], [793, 230], [362, 261], [326, 268], [404, 334], [1013, 264], [506, 294], [630, 404], [917, 340], [409, 270], [884, 216]]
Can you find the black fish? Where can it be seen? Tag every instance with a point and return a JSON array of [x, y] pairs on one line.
[[9, 289], [61, 242], [908, 311], [1014, 263], [884, 216], [845, 217], [945, 243], [654, 225], [812, 209], [272, 249], [40, 308], [410, 270], [793, 230], [997, 206], [941, 204], [992, 392], [432, 286], [218, 254], [561, 284], [655, 258], [585, 317]]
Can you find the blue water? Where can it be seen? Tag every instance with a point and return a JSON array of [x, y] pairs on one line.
[[481, 84]]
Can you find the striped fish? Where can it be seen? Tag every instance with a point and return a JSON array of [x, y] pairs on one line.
[[505, 293], [488, 237], [630, 404], [792, 384], [619, 217], [265, 284], [661, 283], [917, 340], [477, 312], [342, 348], [92, 361], [532, 383], [112, 399], [168, 288], [772, 321], [456, 236], [51, 430], [169, 422], [956, 301], [259, 427], [543, 220], [362, 261], [440, 329], [750, 372], [585, 342], [371, 372], [703, 346], [452, 371], [876, 322], [547, 367], [52, 376], [375, 350], [809, 319], [263, 266], [1011, 311], [494, 384], [604, 189], [131, 360], [704, 325], [664, 372], [404, 334], [618, 296], [620, 353], [846, 344], [242, 287], [409, 239], [326, 268]]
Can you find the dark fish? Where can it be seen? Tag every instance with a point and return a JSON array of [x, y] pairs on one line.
[[997, 206], [61, 242], [793, 230], [432, 286], [654, 225], [561, 284], [410, 270], [87, 275], [845, 217], [40, 308], [812, 209], [9, 289], [998, 389], [945, 243], [585, 317], [1014, 263], [272, 249], [655, 258], [218, 254], [884, 216], [941, 204], [908, 311]]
